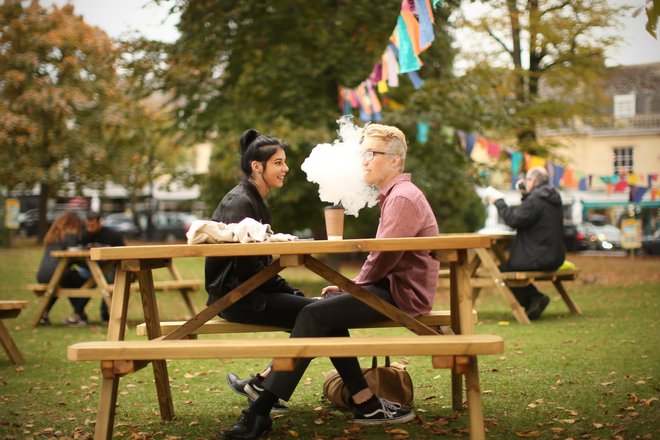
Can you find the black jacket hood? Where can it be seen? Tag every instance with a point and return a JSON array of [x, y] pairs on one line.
[[547, 193]]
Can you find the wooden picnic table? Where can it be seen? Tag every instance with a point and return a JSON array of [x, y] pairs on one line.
[[97, 285], [119, 357], [10, 309], [483, 265]]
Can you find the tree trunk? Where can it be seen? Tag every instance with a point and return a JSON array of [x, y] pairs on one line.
[[44, 195]]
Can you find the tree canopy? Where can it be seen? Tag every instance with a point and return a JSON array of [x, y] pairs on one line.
[[277, 66], [56, 90], [554, 61]]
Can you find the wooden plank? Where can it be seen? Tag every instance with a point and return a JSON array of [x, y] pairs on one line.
[[217, 325], [572, 306], [160, 286], [230, 298], [368, 298], [10, 346], [13, 304], [495, 274], [438, 243], [287, 347]]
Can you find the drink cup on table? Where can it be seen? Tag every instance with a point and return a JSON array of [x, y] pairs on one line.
[[334, 222]]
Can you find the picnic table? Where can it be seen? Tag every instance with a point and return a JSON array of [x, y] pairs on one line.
[[484, 271], [97, 286], [10, 309], [457, 350]]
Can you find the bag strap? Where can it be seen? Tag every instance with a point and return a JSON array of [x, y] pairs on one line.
[[374, 361]]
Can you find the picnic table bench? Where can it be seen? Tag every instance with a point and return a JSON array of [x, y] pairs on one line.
[[8, 310], [97, 286], [457, 350], [485, 273]]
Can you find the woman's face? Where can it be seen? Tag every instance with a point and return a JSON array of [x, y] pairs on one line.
[[275, 170]]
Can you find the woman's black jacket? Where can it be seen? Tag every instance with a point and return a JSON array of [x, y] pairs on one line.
[[222, 274]]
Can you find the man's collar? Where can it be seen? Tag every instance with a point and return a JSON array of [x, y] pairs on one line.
[[403, 177]]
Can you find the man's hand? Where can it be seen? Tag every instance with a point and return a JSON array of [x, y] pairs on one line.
[[329, 289], [492, 194]]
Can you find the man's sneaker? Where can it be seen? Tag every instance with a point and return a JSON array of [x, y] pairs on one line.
[[386, 412], [249, 388], [44, 320], [79, 323], [248, 427], [537, 306]]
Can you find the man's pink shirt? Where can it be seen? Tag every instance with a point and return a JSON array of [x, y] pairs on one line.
[[413, 275]]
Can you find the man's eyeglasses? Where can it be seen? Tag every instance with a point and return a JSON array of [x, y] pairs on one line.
[[368, 156]]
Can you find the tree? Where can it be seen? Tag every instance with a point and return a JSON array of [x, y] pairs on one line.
[[553, 46], [277, 66], [57, 81], [148, 149]]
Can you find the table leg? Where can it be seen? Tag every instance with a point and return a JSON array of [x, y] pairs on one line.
[[475, 407], [186, 294], [572, 306], [152, 321], [494, 272], [51, 290], [461, 315], [105, 417], [9, 345]]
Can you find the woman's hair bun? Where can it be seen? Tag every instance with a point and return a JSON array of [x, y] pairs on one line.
[[247, 138]]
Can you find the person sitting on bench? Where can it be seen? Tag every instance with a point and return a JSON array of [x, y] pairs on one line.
[[539, 225], [405, 279]]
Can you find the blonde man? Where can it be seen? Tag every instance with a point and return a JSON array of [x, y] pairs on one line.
[[405, 279]]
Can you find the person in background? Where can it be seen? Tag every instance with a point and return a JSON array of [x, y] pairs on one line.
[[405, 279], [64, 233], [275, 302], [97, 235], [539, 225]]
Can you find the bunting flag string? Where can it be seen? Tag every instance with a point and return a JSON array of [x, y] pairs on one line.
[[412, 35], [481, 149]]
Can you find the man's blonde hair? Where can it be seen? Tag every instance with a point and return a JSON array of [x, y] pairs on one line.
[[392, 136], [394, 139]]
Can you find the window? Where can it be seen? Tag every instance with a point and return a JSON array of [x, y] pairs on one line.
[[623, 160], [624, 105]]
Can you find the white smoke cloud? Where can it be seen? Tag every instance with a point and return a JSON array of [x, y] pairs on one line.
[[337, 168]]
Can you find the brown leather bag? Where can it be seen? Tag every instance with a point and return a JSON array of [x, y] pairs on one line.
[[390, 381]]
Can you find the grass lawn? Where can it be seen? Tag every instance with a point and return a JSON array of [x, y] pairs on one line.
[[587, 377]]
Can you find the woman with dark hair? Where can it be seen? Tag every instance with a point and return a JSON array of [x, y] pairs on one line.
[[275, 302], [64, 233]]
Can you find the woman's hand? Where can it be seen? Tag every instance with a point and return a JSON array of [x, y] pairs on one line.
[[329, 289]]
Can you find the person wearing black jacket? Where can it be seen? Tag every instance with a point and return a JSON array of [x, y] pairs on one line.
[[275, 302], [97, 235], [538, 246]]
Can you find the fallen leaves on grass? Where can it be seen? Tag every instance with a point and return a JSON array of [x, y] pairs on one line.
[[528, 433]]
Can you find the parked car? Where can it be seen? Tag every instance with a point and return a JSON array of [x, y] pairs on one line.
[[608, 237], [29, 220], [651, 243], [169, 225], [122, 223]]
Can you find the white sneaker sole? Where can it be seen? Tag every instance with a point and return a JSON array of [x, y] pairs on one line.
[[403, 419]]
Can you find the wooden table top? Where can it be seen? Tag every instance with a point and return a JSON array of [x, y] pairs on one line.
[[440, 242]]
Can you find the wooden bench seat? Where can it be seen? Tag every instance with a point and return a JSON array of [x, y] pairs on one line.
[[8, 310], [287, 348], [434, 319], [161, 286]]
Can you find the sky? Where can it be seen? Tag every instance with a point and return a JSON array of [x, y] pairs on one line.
[[116, 17]]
